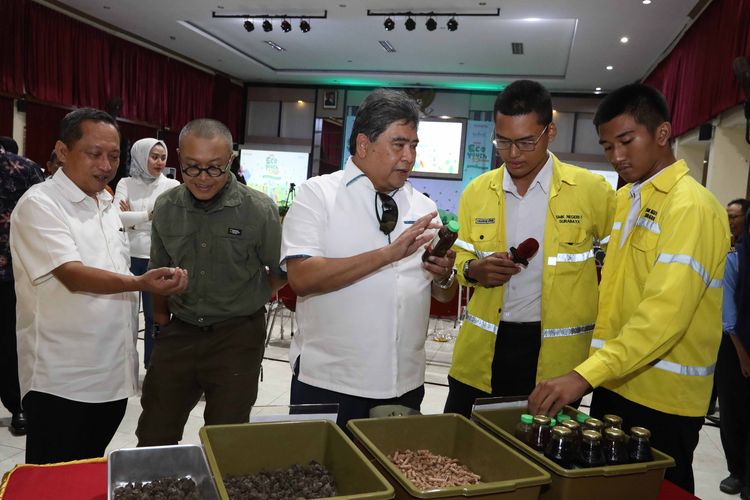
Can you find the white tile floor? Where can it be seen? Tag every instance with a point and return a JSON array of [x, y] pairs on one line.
[[709, 465]]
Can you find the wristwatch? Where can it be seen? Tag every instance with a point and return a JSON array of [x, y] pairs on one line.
[[447, 282], [465, 271]]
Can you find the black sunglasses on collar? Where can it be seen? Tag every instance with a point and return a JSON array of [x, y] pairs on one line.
[[389, 217]]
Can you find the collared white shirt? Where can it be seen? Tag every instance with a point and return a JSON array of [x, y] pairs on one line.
[[141, 196], [366, 339], [525, 217], [635, 207], [78, 346]]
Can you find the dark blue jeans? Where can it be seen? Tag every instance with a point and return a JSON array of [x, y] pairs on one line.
[[138, 267]]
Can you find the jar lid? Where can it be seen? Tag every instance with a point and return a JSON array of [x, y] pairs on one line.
[[527, 419], [640, 432], [541, 420], [592, 435], [614, 433], [561, 431]]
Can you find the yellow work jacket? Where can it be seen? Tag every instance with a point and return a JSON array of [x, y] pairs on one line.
[[659, 324], [580, 209]]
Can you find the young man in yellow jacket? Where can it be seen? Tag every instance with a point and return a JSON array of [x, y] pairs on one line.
[[659, 324], [536, 321]]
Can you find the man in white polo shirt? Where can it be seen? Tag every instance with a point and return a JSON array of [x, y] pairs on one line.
[[352, 244], [77, 360]]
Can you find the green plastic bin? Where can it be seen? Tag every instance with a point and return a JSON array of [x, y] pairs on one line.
[[506, 474], [251, 448], [611, 482]]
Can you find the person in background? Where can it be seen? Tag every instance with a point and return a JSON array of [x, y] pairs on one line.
[[210, 339], [525, 324], [8, 145], [135, 198], [658, 329], [352, 244], [76, 297], [52, 165], [17, 175], [733, 363]]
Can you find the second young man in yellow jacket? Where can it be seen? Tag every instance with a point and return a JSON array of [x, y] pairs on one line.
[[531, 322], [659, 324]]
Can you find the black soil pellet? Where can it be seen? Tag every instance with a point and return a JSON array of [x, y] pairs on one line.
[[295, 483], [166, 488]]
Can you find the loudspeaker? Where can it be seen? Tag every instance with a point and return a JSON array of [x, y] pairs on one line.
[[21, 105], [705, 132]]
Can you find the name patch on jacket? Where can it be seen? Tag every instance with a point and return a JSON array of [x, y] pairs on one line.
[[234, 231], [650, 214], [569, 218], [484, 220]]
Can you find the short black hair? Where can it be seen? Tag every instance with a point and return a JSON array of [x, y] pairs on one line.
[[70, 126], [644, 103], [742, 202], [523, 97], [379, 109], [9, 144]]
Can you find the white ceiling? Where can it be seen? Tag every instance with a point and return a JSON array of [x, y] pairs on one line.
[[567, 43]]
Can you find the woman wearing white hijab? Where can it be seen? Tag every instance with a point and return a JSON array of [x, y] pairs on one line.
[[135, 199]]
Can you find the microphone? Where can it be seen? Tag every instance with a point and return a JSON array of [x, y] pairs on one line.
[[525, 251]]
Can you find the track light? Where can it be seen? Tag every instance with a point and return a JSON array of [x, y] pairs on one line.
[[249, 26], [452, 24], [286, 26], [267, 26], [304, 26], [388, 24], [410, 24], [431, 24]]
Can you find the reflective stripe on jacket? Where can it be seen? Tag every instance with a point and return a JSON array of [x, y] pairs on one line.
[[581, 207], [659, 324]]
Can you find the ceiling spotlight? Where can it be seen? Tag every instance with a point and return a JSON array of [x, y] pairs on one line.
[[249, 26], [624, 39], [267, 26], [646, 2], [452, 24], [431, 24], [304, 26], [609, 68], [286, 26], [410, 24], [388, 24], [598, 89]]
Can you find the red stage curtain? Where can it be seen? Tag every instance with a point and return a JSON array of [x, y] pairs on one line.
[[696, 77], [42, 130], [191, 94], [11, 40], [228, 101], [67, 61], [139, 78], [6, 116]]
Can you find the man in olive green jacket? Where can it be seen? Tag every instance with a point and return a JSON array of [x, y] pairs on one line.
[[209, 340]]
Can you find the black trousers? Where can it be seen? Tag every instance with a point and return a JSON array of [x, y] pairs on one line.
[[675, 435], [734, 399], [350, 407], [10, 394], [513, 368], [61, 430]]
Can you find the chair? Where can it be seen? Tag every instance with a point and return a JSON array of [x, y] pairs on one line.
[[455, 309], [285, 299]]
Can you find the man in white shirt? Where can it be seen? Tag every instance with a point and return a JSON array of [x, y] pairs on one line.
[[76, 334], [352, 245]]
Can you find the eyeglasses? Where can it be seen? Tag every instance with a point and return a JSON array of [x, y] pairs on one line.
[[195, 171], [522, 145], [389, 216]]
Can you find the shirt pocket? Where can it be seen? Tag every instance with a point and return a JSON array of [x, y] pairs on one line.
[[574, 248], [643, 254], [485, 238], [233, 247]]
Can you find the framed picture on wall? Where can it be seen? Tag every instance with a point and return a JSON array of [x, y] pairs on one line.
[[329, 99]]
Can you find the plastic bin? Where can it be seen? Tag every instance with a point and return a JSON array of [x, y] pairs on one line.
[[141, 465], [613, 482], [506, 474], [251, 448]]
